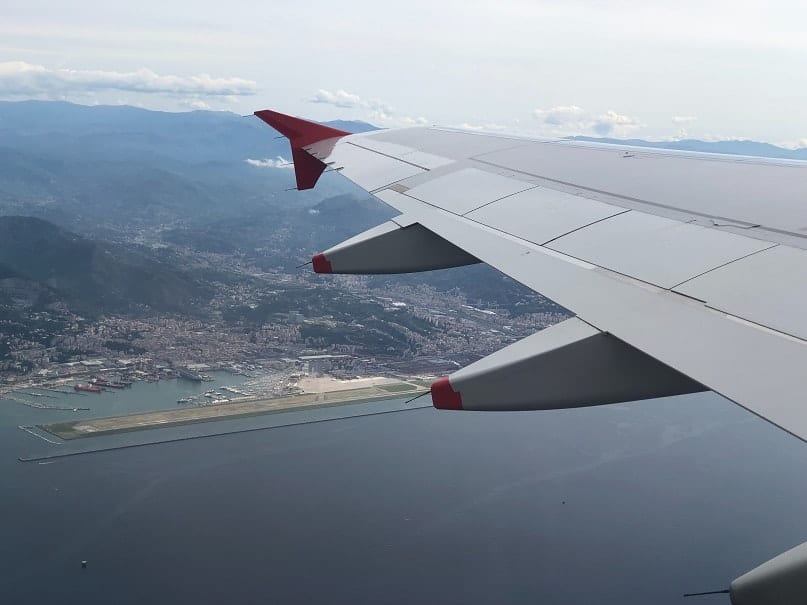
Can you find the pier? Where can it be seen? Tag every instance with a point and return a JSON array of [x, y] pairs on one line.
[[46, 406], [32, 430], [32, 394]]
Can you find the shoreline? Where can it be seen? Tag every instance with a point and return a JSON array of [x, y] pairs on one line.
[[304, 385]]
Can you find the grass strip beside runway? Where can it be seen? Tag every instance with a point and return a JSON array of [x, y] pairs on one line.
[[79, 429]]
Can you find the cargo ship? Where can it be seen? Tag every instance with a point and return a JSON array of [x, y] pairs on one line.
[[111, 385], [188, 375], [89, 388], [103, 381]]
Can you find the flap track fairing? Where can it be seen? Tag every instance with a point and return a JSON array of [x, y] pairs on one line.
[[390, 248], [568, 365]]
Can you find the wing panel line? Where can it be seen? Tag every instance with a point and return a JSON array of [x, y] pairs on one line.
[[739, 224], [773, 245], [387, 155], [504, 197], [599, 220]]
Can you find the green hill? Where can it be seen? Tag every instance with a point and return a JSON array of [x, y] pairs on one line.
[[94, 277]]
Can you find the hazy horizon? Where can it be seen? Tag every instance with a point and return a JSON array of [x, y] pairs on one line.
[[720, 70]]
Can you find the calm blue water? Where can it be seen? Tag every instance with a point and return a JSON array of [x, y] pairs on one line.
[[621, 504], [141, 397]]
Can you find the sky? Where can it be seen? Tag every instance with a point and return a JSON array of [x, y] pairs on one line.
[[652, 69]]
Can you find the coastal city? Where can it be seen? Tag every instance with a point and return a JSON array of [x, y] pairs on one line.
[[421, 333], [461, 303]]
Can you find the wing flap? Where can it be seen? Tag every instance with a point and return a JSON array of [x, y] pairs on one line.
[[540, 215], [769, 288], [654, 249], [466, 189]]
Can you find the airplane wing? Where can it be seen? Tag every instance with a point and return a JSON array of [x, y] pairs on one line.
[[685, 271]]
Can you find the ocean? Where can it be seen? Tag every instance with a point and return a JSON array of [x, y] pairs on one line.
[[632, 503]]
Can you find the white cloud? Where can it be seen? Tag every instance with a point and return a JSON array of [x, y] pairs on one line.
[[279, 162], [340, 98], [563, 115], [375, 110], [347, 100], [194, 103], [566, 120], [613, 123], [18, 78], [683, 123], [412, 121], [795, 144], [484, 127]]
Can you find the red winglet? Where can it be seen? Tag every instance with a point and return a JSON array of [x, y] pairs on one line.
[[321, 264], [301, 133], [444, 397]]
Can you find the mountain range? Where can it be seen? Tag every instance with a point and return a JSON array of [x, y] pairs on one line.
[[734, 147], [102, 170], [142, 194], [91, 276]]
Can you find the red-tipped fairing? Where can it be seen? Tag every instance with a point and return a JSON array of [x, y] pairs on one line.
[[444, 397], [321, 264]]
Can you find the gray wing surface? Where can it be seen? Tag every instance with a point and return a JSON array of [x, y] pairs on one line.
[[697, 262], [685, 271]]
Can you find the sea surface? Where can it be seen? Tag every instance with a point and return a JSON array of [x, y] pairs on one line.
[[387, 503]]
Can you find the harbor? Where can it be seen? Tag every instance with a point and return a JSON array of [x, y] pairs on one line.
[[36, 405], [59, 413]]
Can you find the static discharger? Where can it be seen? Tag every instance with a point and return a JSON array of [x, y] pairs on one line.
[[703, 594], [416, 397]]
